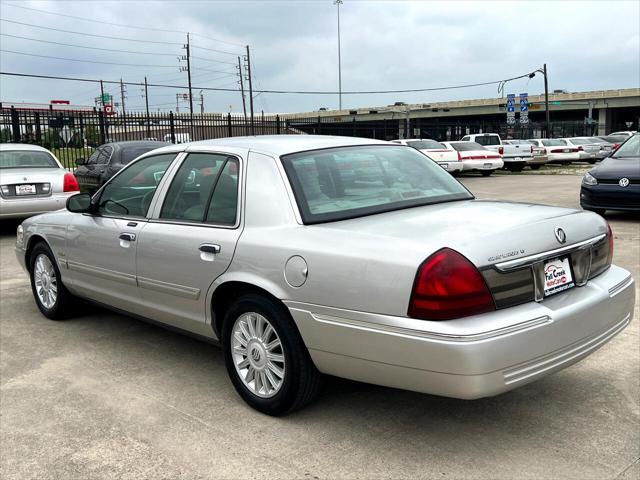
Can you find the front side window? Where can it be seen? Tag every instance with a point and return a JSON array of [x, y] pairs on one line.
[[629, 149], [130, 193], [205, 189], [26, 159], [339, 183]]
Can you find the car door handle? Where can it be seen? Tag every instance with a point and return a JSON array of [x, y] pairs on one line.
[[129, 237], [209, 248]]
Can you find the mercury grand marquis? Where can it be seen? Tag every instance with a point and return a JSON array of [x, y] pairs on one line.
[[311, 255]]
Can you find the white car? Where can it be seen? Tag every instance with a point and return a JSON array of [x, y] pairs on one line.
[[539, 155], [32, 181], [589, 150], [475, 157], [447, 158], [557, 149], [626, 133], [513, 155]]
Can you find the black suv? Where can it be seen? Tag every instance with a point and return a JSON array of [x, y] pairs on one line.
[[107, 160]]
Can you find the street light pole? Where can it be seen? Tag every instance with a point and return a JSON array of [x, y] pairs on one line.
[[546, 100], [338, 3]]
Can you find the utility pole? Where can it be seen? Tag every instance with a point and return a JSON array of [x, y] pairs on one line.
[[546, 101], [122, 96], [187, 46], [338, 3], [250, 89], [201, 103], [244, 104], [101, 96], [146, 101]]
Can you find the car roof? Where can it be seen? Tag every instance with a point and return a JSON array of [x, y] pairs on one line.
[[23, 147], [136, 143], [276, 144]]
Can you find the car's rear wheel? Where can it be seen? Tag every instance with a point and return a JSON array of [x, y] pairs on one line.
[[535, 167], [266, 358], [52, 298]]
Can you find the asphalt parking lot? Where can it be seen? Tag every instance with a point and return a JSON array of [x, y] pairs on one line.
[[106, 396]]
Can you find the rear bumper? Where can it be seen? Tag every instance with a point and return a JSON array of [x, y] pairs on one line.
[[472, 357], [517, 159], [451, 166], [564, 157], [610, 197], [537, 160], [27, 207], [488, 164]]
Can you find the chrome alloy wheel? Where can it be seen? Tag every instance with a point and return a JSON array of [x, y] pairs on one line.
[[257, 354], [45, 280]]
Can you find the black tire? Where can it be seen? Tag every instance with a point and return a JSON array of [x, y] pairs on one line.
[[535, 167], [301, 381], [515, 167], [486, 173], [592, 161], [63, 307]]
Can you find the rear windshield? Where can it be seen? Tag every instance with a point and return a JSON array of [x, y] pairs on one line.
[[629, 149], [339, 183], [581, 141], [467, 146], [614, 138], [425, 144], [130, 153], [554, 143], [488, 140], [26, 159]]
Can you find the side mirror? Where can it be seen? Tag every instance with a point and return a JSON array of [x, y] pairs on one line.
[[79, 203], [80, 161]]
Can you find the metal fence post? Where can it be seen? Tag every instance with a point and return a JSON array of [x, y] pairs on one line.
[[38, 128], [172, 128], [354, 128], [278, 124], [15, 125], [101, 123], [230, 131]]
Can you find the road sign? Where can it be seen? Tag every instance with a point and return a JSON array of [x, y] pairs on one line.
[[108, 109], [511, 102], [524, 108]]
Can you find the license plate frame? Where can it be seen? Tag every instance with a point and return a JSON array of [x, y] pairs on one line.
[[557, 275], [26, 189]]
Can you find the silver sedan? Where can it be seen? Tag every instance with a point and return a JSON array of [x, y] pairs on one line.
[[311, 255], [32, 181]]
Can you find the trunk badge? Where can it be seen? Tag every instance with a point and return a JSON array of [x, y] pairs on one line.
[[560, 235], [623, 182]]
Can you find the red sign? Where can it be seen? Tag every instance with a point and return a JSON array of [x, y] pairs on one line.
[[108, 110]]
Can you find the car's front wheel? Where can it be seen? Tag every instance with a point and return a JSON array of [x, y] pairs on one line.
[[265, 356], [51, 296]]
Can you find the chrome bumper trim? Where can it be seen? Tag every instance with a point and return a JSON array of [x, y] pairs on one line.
[[525, 261], [613, 291]]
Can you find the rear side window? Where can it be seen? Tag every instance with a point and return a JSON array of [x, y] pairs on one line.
[[488, 140], [205, 189]]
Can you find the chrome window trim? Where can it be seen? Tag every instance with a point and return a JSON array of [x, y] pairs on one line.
[[158, 199], [287, 187], [538, 257]]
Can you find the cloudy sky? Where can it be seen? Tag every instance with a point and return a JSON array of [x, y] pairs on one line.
[[386, 45]]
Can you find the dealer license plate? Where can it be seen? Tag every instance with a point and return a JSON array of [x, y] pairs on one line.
[[487, 165], [557, 276], [25, 189], [518, 159]]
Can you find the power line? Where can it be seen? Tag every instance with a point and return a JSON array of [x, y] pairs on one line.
[[214, 50], [89, 34], [212, 60], [294, 92], [91, 48], [86, 61], [102, 22]]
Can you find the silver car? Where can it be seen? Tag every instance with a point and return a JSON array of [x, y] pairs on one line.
[[32, 181], [398, 278]]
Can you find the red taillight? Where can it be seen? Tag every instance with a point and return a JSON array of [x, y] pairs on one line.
[[449, 286], [459, 157], [501, 150], [615, 146], [70, 184], [610, 239]]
